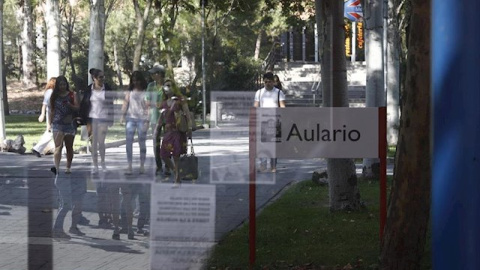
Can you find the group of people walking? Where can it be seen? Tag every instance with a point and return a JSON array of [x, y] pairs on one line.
[[155, 106], [145, 106]]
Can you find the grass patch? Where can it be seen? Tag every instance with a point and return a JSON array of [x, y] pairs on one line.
[[392, 149], [299, 230], [32, 130]]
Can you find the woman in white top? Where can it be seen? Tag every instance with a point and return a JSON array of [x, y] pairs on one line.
[[136, 114], [96, 110]]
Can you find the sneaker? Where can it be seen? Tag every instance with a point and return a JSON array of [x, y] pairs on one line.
[[36, 153], [68, 171], [76, 231], [128, 171], [83, 221], [60, 234], [131, 235], [274, 170], [94, 170], [104, 167], [158, 171], [142, 170], [116, 235], [262, 168]]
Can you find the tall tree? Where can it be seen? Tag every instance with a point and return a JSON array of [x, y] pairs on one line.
[[52, 20], [141, 19], [343, 189], [96, 58], [409, 204], [375, 88], [27, 41], [70, 16], [3, 85], [393, 74]]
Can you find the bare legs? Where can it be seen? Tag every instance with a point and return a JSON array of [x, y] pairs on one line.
[[99, 133], [173, 164], [59, 138]]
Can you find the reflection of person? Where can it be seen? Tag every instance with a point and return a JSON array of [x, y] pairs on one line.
[[269, 97], [135, 113], [174, 141], [96, 110], [154, 99], [47, 135], [63, 104]]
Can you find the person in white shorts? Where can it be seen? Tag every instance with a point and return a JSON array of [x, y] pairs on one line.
[[269, 97], [46, 138]]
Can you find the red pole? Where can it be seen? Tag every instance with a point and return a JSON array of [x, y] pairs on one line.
[[252, 186], [382, 154]]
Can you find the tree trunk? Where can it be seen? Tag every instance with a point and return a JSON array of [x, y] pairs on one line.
[[375, 89], [343, 190], [141, 24], [97, 36], [258, 44], [409, 205], [3, 85], [393, 75], [70, 27], [117, 65], [25, 17], [52, 21]]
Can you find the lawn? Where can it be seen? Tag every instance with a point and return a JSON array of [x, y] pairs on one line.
[[299, 232], [32, 130]]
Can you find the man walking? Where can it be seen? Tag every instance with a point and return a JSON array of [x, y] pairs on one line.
[[269, 97], [154, 99]]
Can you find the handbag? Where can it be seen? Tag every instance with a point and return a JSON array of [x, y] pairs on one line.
[[181, 121], [188, 165]]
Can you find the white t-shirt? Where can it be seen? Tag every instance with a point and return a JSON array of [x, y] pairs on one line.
[[269, 99], [46, 102], [97, 109], [137, 108]]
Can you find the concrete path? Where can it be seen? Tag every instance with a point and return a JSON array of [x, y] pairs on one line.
[[185, 221]]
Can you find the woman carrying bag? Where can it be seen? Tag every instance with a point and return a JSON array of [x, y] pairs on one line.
[[173, 108]]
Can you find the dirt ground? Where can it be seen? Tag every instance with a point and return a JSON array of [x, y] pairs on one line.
[[24, 99]]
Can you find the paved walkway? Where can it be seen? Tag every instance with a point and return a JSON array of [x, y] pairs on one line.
[[185, 221]]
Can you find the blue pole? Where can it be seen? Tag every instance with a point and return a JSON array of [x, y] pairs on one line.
[[456, 134]]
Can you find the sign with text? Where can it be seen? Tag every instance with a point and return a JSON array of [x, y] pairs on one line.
[[317, 132], [229, 107], [182, 225], [183, 214]]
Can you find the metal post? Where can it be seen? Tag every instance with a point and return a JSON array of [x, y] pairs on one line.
[[252, 186], [354, 42], [316, 43], [204, 99], [304, 53]]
